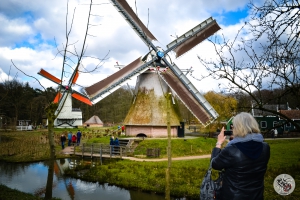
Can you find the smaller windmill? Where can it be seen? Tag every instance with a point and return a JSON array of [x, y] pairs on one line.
[[68, 116]]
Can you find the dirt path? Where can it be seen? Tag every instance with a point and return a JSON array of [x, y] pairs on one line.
[[70, 150]]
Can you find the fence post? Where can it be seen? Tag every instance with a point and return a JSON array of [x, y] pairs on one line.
[[110, 150], [101, 154], [82, 149]]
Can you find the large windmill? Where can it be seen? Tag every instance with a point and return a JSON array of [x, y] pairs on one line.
[[68, 116], [156, 77]]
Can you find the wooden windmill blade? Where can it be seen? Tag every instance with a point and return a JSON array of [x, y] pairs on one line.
[[74, 94], [54, 79], [57, 97], [75, 77], [134, 21], [49, 76], [81, 98], [103, 88], [190, 96], [193, 37]]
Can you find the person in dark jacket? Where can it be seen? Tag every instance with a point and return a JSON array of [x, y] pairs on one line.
[[111, 140], [63, 140], [69, 138], [244, 160], [78, 137], [116, 142]]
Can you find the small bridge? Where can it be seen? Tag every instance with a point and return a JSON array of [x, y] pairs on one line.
[[125, 148]]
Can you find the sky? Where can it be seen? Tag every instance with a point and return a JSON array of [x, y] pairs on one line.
[[33, 32]]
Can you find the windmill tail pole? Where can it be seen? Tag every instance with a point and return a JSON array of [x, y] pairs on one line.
[[167, 197]]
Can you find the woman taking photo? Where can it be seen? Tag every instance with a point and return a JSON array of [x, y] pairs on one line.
[[244, 159]]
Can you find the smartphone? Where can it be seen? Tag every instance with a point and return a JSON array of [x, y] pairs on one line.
[[227, 132]]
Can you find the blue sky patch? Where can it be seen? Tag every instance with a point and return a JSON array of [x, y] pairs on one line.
[[231, 18], [34, 42], [28, 16]]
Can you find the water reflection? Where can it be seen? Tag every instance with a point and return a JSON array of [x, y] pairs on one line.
[[32, 178]]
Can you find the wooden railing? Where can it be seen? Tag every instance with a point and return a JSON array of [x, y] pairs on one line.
[[96, 150]]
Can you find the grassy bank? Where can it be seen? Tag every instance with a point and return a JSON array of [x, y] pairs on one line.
[[186, 176], [28, 146], [180, 147], [9, 194]]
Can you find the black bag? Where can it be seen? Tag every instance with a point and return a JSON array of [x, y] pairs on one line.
[[211, 189]]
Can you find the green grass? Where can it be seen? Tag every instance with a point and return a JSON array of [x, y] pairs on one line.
[[285, 159], [186, 176], [180, 147], [9, 194], [28, 146]]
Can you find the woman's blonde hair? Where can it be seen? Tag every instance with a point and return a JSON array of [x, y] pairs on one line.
[[244, 123]]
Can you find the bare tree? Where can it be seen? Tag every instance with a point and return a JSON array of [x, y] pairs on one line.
[[264, 56], [68, 52]]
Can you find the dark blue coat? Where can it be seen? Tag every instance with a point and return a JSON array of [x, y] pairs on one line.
[[245, 165], [116, 142]]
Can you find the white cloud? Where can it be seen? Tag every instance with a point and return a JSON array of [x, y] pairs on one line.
[[26, 19], [13, 31]]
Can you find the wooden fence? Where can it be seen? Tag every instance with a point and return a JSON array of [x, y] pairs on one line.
[[102, 150]]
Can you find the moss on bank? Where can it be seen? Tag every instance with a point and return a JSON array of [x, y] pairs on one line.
[[9, 194]]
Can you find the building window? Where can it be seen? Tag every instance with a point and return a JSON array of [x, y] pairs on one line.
[[263, 124], [275, 124], [288, 125]]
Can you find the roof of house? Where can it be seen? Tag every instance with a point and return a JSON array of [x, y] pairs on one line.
[[292, 114], [257, 112], [94, 120]]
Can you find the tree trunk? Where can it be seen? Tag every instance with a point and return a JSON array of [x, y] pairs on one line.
[[50, 110]]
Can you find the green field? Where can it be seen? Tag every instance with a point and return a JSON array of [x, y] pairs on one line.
[[186, 176]]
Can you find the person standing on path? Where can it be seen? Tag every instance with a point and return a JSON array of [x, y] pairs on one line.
[[63, 140], [74, 139], [245, 160], [275, 133], [116, 142], [69, 138], [111, 140], [78, 137], [123, 128]]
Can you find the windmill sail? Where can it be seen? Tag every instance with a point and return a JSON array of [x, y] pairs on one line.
[[193, 37], [49, 76], [174, 78], [81, 98], [190, 96], [108, 85], [137, 25]]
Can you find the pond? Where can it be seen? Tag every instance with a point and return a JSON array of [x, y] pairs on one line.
[[32, 178]]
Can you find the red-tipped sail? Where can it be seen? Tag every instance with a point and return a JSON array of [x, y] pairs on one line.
[[49, 76], [75, 77], [82, 98], [57, 97]]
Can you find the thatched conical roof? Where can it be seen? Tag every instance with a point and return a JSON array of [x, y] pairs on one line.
[[94, 120]]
